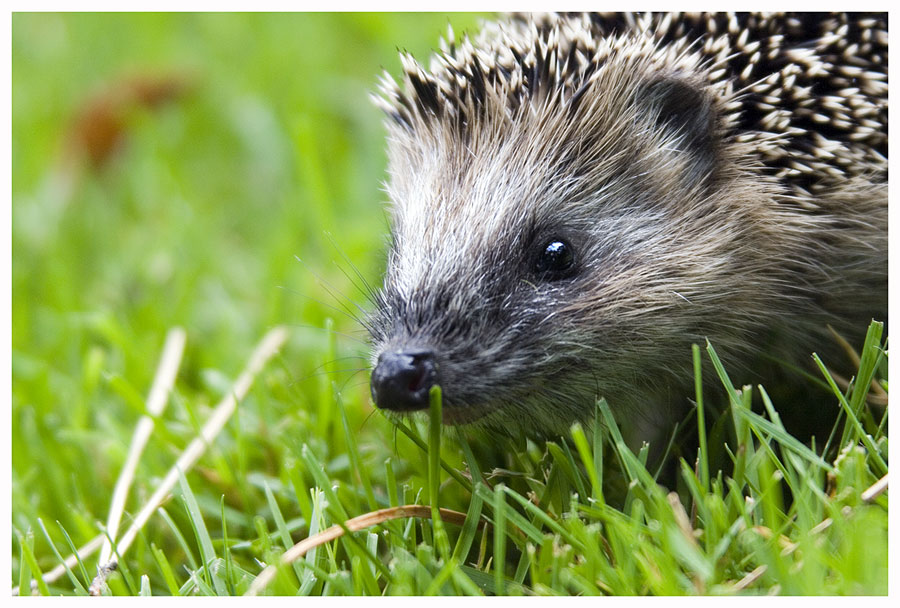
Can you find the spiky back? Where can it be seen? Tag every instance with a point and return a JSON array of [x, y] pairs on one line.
[[808, 92]]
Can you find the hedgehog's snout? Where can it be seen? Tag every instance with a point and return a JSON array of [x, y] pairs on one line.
[[402, 380]]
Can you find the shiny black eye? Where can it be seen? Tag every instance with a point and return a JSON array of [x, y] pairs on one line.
[[556, 260]]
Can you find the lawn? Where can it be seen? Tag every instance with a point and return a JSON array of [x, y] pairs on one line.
[[221, 174]]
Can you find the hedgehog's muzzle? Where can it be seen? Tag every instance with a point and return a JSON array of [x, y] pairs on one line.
[[401, 380]]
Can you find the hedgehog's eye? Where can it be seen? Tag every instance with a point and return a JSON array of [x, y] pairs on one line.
[[556, 260]]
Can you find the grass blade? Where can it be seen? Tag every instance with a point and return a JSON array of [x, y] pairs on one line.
[[499, 560], [207, 551], [434, 472]]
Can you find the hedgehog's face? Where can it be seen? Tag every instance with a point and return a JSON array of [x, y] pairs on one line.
[[530, 260], [475, 318]]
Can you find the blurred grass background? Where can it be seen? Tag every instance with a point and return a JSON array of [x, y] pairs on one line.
[[268, 150]]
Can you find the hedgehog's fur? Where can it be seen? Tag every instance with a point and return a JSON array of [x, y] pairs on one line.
[[720, 176]]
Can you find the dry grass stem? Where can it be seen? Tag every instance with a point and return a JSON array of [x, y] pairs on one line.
[[156, 403], [751, 578], [268, 346], [681, 517], [361, 522], [875, 490]]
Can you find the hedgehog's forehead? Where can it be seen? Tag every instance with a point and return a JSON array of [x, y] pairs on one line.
[[440, 202], [454, 217]]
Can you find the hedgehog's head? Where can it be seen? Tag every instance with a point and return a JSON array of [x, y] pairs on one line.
[[557, 205]]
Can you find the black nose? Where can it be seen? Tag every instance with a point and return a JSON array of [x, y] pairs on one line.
[[401, 380]]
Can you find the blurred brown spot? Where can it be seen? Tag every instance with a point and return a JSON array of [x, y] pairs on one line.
[[100, 126]]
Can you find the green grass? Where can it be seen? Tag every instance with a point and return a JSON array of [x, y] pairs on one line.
[[274, 153]]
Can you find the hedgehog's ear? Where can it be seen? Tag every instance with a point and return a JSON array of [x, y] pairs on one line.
[[686, 112]]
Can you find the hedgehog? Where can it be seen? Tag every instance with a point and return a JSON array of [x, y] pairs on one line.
[[576, 199]]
